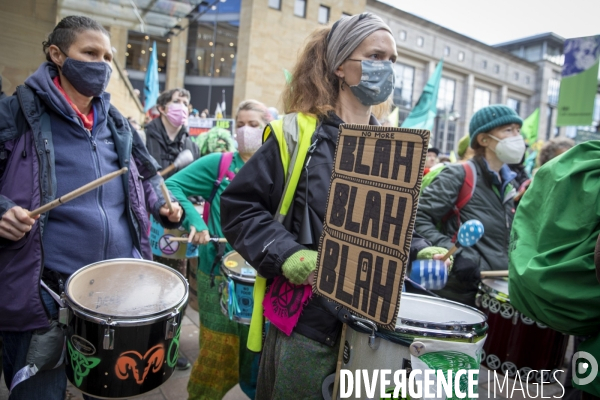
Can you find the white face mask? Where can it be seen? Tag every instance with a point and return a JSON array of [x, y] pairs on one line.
[[510, 150]]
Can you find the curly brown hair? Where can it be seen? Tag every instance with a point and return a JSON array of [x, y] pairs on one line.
[[314, 89], [551, 147]]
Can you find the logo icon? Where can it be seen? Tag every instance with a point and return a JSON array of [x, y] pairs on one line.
[[584, 364]]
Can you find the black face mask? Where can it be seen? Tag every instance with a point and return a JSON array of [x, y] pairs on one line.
[[87, 77]]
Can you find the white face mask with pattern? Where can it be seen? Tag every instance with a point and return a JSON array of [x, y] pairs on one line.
[[249, 139]]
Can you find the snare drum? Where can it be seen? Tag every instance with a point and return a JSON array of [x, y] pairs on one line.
[[421, 319], [163, 247], [516, 343], [237, 299], [124, 325]]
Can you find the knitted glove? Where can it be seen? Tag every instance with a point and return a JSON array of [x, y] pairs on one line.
[[428, 253], [299, 265]]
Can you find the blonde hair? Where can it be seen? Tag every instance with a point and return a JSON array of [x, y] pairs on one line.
[[254, 105]]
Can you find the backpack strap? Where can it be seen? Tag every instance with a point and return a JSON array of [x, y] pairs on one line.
[[464, 195], [224, 164]]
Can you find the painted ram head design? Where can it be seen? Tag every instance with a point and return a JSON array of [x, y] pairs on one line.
[[133, 363]]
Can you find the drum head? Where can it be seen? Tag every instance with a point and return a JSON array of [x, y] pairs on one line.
[[235, 267], [499, 285], [416, 310], [126, 288]]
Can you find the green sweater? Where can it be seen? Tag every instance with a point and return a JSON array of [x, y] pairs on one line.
[[198, 179]]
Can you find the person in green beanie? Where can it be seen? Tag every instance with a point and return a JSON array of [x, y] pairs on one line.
[[224, 359], [494, 135], [328, 88]]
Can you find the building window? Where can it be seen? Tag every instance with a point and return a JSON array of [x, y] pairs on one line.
[[514, 104], [402, 35], [323, 15], [516, 75], [445, 99], [139, 49], [420, 41], [446, 51], [300, 8], [553, 89], [345, 14], [484, 64], [461, 56], [276, 4], [527, 80], [405, 76], [482, 99]]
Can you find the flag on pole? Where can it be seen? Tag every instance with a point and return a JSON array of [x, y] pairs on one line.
[[393, 117], [151, 90], [218, 112], [530, 127], [424, 113], [579, 82], [223, 105]]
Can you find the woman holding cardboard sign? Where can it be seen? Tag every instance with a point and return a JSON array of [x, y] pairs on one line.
[[342, 73]]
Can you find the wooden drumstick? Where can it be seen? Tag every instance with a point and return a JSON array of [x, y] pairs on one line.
[[336, 382], [185, 239], [450, 252], [77, 192], [487, 274], [165, 193]]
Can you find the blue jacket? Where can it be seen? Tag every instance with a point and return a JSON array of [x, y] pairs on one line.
[[36, 125]]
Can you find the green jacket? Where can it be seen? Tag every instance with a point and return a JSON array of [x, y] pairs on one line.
[[198, 179], [494, 211]]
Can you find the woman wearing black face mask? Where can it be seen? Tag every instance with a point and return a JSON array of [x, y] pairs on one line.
[[58, 133], [341, 76]]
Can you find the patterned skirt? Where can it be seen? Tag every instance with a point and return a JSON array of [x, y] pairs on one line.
[[224, 360]]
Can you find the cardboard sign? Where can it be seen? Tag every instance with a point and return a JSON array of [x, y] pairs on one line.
[[371, 209]]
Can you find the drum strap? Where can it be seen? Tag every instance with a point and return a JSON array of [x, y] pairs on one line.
[[217, 261]]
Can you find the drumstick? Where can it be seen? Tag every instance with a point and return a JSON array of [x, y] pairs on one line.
[[185, 239], [165, 193], [76, 193], [485, 274], [450, 252], [338, 368]]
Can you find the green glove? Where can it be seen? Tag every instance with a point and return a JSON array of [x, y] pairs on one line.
[[428, 253], [299, 265]]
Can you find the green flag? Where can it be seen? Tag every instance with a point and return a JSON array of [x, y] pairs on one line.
[[424, 113], [579, 82], [529, 130]]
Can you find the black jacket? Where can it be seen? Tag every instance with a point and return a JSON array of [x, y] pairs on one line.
[[163, 149], [250, 201]]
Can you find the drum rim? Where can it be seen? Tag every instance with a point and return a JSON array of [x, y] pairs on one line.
[[412, 326], [107, 319], [239, 320], [240, 278], [490, 291]]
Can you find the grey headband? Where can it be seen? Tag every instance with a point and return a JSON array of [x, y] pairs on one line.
[[347, 34]]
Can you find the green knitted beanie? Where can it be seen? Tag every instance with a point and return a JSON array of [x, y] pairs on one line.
[[299, 265], [491, 117]]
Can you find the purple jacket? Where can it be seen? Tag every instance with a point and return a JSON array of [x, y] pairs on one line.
[[29, 181]]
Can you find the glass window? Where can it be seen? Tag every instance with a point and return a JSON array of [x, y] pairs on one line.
[[139, 49], [420, 41], [323, 15], [497, 69], [516, 75], [300, 8], [461, 56], [446, 51], [276, 4], [445, 99], [484, 64], [482, 99], [212, 48], [405, 76], [553, 89], [514, 104], [528, 79], [402, 35]]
